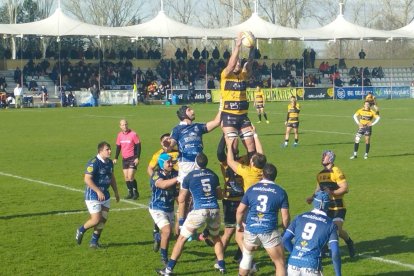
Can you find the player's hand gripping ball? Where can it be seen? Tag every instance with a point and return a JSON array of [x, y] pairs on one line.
[[248, 39]]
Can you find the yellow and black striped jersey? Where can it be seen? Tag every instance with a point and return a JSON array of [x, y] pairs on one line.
[[365, 116], [251, 175], [233, 93], [330, 178], [293, 113], [231, 178], [259, 98]]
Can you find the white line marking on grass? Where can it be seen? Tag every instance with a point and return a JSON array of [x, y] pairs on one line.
[[81, 212], [386, 261], [330, 132], [64, 187]]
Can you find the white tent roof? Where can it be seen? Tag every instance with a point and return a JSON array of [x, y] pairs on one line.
[[59, 24], [340, 28], [406, 31], [260, 28], [163, 26]]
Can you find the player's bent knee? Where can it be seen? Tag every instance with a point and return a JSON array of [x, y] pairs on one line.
[[246, 262], [248, 134], [357, 138], [185, 232]]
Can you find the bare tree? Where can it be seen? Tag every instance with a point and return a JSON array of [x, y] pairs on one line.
[[12, 8]]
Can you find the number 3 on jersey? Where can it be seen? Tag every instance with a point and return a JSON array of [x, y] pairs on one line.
[[262, 203], [308, 231]]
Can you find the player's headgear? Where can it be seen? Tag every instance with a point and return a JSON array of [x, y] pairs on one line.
[[182, 113], [331, 157], [161, 160], [321, 201]]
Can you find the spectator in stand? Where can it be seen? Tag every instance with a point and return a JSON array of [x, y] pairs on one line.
[[71, 99], [32, 85], [362, 54], [306, 59], [353, 81], [210, 83], [366, 72], [3, 97], [338, 82], [184, 54], [312, 57], [17, 75], [178, 54], [205, 54], [226, 54], [215, 54], [353, 71], [196, 54], [380, 72], [367, 82]]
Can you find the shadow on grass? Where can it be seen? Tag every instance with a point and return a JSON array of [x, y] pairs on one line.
[[121, 244], [388, 246], [393, 155], [41, 214]]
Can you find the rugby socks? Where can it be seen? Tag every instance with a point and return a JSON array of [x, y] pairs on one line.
[[171, 264], [164, 254], [95, 238], [356, 147], [367, 146], [222, 264], [286, 142], [134, 185], [82, 229], [296, 141], [260, 117], [265, 116]]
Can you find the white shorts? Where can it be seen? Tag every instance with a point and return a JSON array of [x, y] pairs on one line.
[[196, 219], [184, 168], [162, 218], [95, 206], [302, 271], [268, 240]]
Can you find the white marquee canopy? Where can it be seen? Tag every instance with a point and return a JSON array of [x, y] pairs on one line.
[[162, 26]]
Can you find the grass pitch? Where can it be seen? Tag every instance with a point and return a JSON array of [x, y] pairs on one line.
[[44, 152]]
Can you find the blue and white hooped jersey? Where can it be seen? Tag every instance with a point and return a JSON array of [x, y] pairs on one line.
[[312, 230], [264, 200], [202, 184], [189, 139], [101, 172], [162, 199]]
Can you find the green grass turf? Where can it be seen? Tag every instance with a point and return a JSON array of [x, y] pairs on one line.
[[52, 146]]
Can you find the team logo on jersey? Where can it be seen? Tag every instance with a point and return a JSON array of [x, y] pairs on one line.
[[89, 169], [303, 243]]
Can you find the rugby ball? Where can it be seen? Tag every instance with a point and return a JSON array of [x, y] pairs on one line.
[[248, 39]]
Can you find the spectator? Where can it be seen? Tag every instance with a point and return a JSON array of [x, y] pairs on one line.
[[362, 54], [312, 56], [205, 54], [18, 95], [196, 54], [216, 53], [95, 95]]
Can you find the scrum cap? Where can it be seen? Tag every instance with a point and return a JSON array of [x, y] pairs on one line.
[[161, 160], [321, 201]]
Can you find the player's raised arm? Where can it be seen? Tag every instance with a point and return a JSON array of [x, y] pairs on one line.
[[234, 58], [215, 122]]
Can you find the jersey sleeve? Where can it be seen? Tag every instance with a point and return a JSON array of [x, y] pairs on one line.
[[118, 139], [285, 201], [339, 175], [136, 138], [174, 134], [90, 167], [186, 182], [154, 160], [245, 199]]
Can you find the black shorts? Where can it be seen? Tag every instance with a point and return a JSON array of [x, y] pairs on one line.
[[259, 106], [293, 125], [128, 163], [237, 121], [333, 214], [229, 211], [366, 131]]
